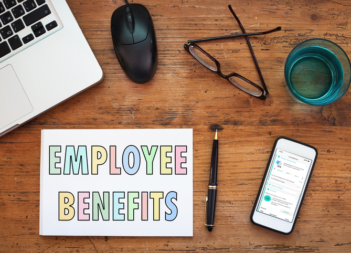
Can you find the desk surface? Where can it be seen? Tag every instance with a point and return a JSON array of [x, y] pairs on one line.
[[185, 94]]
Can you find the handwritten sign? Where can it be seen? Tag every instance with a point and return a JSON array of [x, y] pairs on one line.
[[117, 182]]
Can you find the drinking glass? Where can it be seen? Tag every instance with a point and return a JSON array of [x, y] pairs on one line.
[[317, 72]]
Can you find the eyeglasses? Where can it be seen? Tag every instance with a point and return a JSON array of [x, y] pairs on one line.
[[235, 79]]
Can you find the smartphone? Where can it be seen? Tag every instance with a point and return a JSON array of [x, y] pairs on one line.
[[284, 185]]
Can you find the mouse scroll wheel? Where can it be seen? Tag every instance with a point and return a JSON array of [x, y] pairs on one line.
[[129, 17]]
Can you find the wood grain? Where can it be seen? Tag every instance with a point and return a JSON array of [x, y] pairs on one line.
[[185, 94]]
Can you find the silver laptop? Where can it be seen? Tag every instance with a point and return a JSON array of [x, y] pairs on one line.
[[44, 59]]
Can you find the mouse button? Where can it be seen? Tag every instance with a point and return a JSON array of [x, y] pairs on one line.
[[118, 55], [120, 29], [141, 19], [124, 36], [118, 17]]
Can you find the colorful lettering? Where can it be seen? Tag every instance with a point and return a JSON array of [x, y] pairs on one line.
[[76, 161], [98, 157], [118, 206], [53, 159], [102, 206], [149, 158], [144, 206], [66, 211], [171, 206], [165, 160], [82, 206], [179, 159], [136, 160], [156, 196], [113, 161], [132, 205]]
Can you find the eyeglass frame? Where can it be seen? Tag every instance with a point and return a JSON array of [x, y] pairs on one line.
[[264, 90], [227, 77]]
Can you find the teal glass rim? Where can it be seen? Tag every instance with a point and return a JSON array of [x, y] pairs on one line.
[[307, 100]]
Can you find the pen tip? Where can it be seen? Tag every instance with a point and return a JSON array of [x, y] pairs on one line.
[[216, 135], [210, 228]]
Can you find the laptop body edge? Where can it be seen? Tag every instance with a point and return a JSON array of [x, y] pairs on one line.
[[64, 72]]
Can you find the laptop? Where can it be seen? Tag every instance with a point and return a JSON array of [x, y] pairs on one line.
[[44, 59]]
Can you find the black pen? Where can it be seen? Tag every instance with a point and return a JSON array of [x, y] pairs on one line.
[[212, 187]]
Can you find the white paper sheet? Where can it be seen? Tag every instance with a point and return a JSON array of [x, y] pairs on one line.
[[158, 195]]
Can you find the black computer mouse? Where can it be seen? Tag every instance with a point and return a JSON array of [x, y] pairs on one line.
[[134, 40]]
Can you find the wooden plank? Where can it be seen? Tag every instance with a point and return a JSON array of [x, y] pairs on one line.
[[185, 94]]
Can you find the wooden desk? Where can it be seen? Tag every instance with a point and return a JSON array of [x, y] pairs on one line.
[[185, 94]]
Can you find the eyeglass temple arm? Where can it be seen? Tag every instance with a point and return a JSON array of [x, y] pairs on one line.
[[250, 47], [236, 17], [236, 35]]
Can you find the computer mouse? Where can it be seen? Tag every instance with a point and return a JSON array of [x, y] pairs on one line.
[[134, 41]]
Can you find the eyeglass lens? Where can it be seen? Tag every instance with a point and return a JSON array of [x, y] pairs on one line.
[[245, 86], [203, 58]]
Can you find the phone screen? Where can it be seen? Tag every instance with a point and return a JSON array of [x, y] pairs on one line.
[[283, 185]]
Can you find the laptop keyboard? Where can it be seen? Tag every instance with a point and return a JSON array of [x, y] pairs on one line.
[[23, 23]]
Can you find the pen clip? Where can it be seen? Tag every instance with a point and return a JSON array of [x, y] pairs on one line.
[[206, 211]]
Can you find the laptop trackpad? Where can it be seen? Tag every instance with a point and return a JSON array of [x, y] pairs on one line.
[[14, 103]]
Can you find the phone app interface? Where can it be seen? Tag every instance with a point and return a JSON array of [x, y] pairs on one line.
[[284, 184]]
